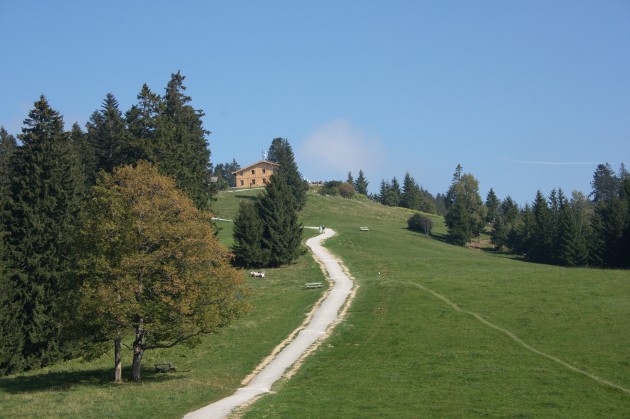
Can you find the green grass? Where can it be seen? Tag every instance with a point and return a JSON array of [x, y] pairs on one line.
[[404, 352], [401, 352]]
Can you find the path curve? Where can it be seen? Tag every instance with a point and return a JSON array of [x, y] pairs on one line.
[[325, 315]]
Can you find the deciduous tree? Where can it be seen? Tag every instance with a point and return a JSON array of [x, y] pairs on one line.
[[152, 265]]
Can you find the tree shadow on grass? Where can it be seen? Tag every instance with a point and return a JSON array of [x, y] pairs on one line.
[[247, 197], [68, 380]]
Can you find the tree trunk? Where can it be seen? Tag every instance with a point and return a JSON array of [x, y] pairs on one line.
[[117, 361], [138, 351]]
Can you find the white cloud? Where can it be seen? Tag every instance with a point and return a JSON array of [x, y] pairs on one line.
[[335, 148]]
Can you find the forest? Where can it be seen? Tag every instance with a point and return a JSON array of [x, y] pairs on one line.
[[106, 233]]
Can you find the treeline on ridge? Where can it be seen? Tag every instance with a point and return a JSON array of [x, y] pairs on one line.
[[49, 181]]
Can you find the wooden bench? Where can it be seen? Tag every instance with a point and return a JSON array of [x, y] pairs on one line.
[[364, 228], [313, 285], [165, 367]]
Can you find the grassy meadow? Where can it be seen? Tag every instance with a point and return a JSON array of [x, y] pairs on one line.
[[440, 332]]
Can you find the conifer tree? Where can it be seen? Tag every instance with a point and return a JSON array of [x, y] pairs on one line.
[[46, 193], [282, 233], [107, 134], [492, 204], [411, 196], [8, 146], [281, 152], [142, 120], [350, 179], [361, 184], [248, 234], [541, 248], [180, 148], [573, 243]]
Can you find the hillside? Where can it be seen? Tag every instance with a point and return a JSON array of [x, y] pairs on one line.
[[442, 331]]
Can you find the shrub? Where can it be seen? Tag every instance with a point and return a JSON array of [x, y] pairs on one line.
[[346, 190], [420, 223]]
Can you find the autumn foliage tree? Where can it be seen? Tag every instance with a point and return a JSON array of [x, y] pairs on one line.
[[152, 266]]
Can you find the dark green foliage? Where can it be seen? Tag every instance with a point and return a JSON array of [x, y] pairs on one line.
[[416, 198], [248, 233], [492, 204], [337, 187], [282, 234], [180, 149], [281, 152], [420, 223], [108, 137], [224, 173], [268, 233], [142, 121], [361, 184], [47, 188], [350, 179], [8, 146], [330, 188], [466, 213]]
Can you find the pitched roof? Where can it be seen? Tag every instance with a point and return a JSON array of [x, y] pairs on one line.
[[255, 164]]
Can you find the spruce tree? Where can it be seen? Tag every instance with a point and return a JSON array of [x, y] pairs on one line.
[[281, 152], [180, 148], [248, 234], [411, 196], [107, 134], [46, 193], [142, 120], [541, 249], [492, 204], [350, 179], [282, 233], [361, 184]]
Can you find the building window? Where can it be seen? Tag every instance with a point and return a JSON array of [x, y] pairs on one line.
[[242, 182], [264, 171], [253, 181], [265, 181], [253, 171], [242, 173]]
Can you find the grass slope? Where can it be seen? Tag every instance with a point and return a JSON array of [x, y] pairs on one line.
[[404, 351]]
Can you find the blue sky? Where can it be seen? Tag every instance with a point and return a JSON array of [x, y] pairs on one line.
[[525, 95]]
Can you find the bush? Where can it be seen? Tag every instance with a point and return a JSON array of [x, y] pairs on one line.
[[346, 190], [420, 223]]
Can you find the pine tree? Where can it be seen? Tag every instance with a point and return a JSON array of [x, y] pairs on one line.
[[541, 249], [361, 184], [392, 199], [350, 179], [281, 152], [107, 134], [180, 148], [248, 234], [8, 146], [46, 193], [492, 204], [282, 234], [383, 192], [573, 244], [142, 121], [411, 196]]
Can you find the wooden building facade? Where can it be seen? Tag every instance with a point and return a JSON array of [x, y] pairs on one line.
[[255, 175]]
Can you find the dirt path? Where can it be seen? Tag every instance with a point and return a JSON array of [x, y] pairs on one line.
[[290, 353]]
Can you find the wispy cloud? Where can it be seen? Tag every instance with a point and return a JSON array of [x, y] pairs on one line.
[[339, 146], [554, 163]]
